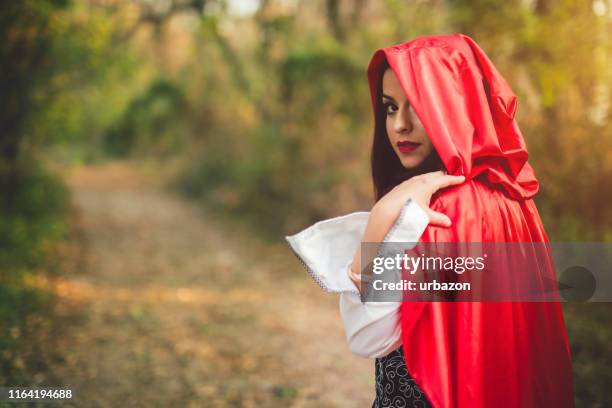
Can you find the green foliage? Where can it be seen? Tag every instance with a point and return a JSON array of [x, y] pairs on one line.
[[318, 75], [17, 302], [285, 392], [85, 92], [589, 328], [32, 217], [152, 121], [32, 221]]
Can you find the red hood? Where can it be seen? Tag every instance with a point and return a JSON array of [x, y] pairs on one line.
[[465, 105]]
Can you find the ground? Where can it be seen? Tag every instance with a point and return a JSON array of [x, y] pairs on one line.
[[169, 305]]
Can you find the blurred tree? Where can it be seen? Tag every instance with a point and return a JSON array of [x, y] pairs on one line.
[[333, 18], [26, 66], [343, 18]]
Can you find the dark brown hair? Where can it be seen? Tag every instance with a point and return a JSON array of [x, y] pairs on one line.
[[387, 169]]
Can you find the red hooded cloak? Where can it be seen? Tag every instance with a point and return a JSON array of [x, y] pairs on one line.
[[476, 354]]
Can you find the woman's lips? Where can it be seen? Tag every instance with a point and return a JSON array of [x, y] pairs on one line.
[[407, 147]]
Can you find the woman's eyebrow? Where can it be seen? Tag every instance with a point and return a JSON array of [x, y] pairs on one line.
[[393, 100], [388, 97]]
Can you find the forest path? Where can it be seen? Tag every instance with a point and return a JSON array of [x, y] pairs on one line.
[[177, 307]]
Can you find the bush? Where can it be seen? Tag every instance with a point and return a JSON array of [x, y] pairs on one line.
[[31, 221]]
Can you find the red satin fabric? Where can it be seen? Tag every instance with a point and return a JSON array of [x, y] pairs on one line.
[[470, 354]]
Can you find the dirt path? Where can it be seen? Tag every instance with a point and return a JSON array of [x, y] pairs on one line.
[[175, 308]]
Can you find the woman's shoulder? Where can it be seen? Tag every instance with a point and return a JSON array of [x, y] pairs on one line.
[[481, 212]]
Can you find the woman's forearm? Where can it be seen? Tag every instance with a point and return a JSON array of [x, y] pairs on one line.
[[380, 221]]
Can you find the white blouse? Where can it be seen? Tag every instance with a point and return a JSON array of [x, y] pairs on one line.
[[326, 250]]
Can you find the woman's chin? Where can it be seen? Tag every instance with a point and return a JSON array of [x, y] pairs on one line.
[[411, 163]]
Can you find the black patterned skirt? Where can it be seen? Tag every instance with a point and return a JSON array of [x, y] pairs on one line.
[[395, 388]]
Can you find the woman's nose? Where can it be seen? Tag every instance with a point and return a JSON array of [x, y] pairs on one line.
[[402, 121]]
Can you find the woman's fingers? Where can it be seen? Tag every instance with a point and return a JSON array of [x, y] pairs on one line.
[[433, 175], [446, 181], [437, 218], [421, 188]]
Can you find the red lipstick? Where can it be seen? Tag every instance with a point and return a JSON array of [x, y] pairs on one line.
[[407, 147]]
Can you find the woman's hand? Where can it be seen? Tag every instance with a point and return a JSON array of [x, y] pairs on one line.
[[386, 210], [420, 188]]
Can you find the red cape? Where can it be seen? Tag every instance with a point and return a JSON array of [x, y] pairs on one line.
[[471, 354]]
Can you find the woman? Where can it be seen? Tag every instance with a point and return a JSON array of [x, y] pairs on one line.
[[439, 101]]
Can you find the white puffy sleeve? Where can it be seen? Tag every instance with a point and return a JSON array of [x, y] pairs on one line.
[[326, 250], [327, 247]]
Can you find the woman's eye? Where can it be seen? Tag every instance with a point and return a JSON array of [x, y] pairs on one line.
[[390, 108]]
